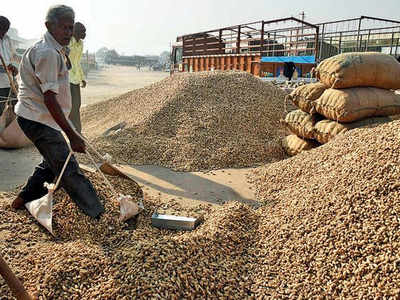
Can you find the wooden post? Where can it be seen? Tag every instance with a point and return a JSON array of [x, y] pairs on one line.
[[273, 44], [241, 63], [340, 43], [262, 37], [238, 41], [183, 48], [361, 37], [358, 35], [367, 46], [220, 42], [322, 41], [248, 63], [391, 43], [257, 68], [13, 282], [316, 43]]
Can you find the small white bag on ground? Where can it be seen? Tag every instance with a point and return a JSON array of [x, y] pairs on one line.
[[42, 209], [127, 207]]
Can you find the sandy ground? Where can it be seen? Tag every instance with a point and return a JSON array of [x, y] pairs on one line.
[[112, 81], [16, 166], [191, 188]]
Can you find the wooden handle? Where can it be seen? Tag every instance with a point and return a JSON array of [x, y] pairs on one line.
[[13, 282], [9, 76]]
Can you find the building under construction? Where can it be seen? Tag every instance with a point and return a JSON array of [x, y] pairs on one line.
[[262, 47]]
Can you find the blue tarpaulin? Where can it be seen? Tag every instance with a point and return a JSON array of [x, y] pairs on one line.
[[294, 59]]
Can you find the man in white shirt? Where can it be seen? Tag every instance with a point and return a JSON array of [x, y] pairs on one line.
[[7, 51], [44, 104]]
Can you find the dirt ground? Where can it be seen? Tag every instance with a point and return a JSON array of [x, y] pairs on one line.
[[212, 187], [112, 81]]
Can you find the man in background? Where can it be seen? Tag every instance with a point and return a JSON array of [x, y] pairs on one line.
[[76, 75], [288, 69], [7, 51]]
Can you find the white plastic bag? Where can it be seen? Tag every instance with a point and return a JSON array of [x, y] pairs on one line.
[[42, 209], [127, 207]]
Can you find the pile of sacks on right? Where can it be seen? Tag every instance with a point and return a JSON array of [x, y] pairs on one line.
[[353, 90]]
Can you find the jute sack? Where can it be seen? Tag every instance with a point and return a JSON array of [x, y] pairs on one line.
[[354, 104], [326, 130], [359, 69], [304, 96], [300, 123], [293, 145], [13, 137]]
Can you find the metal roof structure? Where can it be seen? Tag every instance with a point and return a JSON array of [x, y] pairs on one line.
[[295, 37]]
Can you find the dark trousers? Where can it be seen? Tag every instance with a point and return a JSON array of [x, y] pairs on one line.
[[75, 115], [54, 150], [4, 92]]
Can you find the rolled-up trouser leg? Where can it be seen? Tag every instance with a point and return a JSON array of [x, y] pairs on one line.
[[75, 115], [54, 149]]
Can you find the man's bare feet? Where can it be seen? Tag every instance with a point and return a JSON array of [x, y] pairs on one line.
[[18, 203]]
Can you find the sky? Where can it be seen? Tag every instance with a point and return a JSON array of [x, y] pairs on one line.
[[148, 27]]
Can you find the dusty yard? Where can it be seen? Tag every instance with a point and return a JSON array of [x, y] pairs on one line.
[[112, 81], [212, 187]]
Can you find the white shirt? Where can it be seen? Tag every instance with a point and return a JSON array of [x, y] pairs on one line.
[[43, 69], [9, 55]]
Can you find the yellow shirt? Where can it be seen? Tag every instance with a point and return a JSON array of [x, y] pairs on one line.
[[76, 73]]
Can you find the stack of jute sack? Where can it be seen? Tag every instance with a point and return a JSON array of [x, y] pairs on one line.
[[354, 90]]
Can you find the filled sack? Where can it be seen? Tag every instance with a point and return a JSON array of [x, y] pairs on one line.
[[358, 69], [293, 145], [12, 137], [326, 130], [353, 104], [300, 123], [304, 96]]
